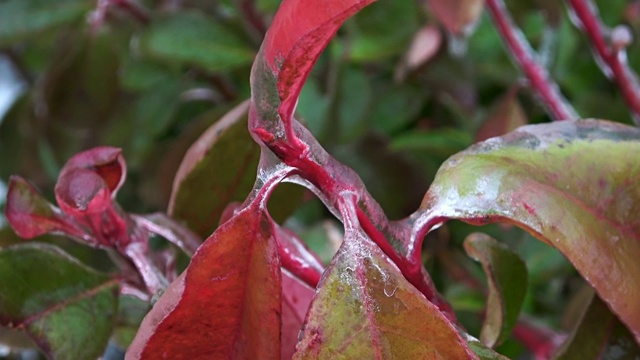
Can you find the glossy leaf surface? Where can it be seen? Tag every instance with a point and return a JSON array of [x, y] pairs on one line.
[[599, 335], [507, 281], [572, 185], [67, 308], [299, 32], [364, 308], [226, 304]]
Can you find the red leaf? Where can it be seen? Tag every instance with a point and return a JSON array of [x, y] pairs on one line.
[[299, 32], [81, 191], [31, 215], [107, 162], [226, 304], [296, 297]]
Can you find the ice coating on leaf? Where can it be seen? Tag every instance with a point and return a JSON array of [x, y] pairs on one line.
[[365, 308], [236, 272], [572, 185], [298, 33]]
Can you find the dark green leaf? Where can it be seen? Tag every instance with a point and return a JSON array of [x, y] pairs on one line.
[[20, 19], [195, 39], [507, 280], [66, 307], [599, 335]]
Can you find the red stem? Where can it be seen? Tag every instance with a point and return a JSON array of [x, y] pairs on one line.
[[134, 9], [614, 58], [525, 58]]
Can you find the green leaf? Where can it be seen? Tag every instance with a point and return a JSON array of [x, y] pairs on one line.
[[20, 19], [193, 38], [66, 307], [599, 335], [570, 184], [378, 33], [365, 309], [482, 351], [219, 168], [507, 280]]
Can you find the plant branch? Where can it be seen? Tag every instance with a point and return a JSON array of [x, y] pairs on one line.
[[612, 57], [526, 59]]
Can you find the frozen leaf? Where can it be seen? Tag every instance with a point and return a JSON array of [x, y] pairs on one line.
[[67, 308], [196, 39], [299, 32], [457, 15], [571, 185], [227, 302], [31, 215], [296, 297], [20, 19], [599, 335], [506, 116], [364, 308], [507, 280]]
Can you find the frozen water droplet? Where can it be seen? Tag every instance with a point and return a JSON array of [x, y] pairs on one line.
[[390, 289]]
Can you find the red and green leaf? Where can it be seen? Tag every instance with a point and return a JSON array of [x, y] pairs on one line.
[[364, 308], [57, 300], [31, 215], [227, 302], [572, 185]]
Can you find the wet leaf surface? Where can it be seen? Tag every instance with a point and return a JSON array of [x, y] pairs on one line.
[[227, 303], [507, 280], [571, 184], [67, 308], [364, 308]]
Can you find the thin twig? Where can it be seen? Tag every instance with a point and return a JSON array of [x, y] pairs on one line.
[[613, 57], [134, 9], [525, 58]]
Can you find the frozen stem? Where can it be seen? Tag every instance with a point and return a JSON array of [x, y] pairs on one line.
[[527, 60], [610, 52]]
